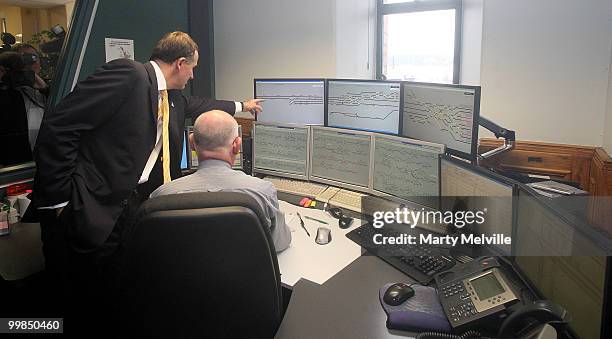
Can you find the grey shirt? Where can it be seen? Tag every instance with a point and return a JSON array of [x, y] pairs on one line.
[[217, 175]]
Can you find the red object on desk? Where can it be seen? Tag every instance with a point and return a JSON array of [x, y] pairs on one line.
[[19, 189]]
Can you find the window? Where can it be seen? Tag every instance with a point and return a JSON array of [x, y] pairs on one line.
[[419, 40]]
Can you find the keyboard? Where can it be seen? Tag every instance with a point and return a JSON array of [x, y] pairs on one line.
[[421, 263], [297, 187], [329, 193], [347, 199]]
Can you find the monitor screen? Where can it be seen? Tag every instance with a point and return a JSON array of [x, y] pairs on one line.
[[186, 151], [340, 157], [465, 187], [407, 169], [487, 286], [291, 101], [562, 263], [364, 105], [280, 150], [441, 113]]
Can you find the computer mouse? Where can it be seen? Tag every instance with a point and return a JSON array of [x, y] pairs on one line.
[[345, 222], [323, 236], [397, 293]]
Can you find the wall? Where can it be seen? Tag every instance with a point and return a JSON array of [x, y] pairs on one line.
[[545, 68], [128, 19], [355, 39], [271, 38], [607, 143], [69, 9], [13, 18], [471, 42]]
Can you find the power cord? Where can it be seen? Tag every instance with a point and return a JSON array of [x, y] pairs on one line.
[[437, 335]]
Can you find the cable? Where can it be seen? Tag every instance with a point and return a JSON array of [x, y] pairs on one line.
[[437, 335]]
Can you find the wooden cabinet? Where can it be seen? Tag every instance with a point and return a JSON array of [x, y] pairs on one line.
[[567, 162], [600, 202]]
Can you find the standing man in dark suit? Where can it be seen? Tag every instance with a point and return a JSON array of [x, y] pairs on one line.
[[105, 148]]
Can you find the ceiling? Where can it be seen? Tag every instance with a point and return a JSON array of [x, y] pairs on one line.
[[34, 3]]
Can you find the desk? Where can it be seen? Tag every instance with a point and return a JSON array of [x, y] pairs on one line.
[[306, 259], [21, 252], [346, 306]]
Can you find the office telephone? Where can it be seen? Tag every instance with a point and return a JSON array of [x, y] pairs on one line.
[[474, 293], [528, 322], [477, 295]]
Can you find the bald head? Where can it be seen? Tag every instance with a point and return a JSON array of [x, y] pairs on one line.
[[215, 135]]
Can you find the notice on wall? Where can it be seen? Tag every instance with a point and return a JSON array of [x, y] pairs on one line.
[[118, 49]]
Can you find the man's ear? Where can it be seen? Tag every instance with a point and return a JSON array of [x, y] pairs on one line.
[[180, 62], [191, 141], [236, 145]]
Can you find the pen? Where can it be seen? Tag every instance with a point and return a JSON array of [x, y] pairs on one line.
[[302, 223], [317, 220]]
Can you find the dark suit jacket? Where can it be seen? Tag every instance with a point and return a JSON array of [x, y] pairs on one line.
[[13, 128], [92, 148]]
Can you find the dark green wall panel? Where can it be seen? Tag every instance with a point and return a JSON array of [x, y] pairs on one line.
[[142, 21]]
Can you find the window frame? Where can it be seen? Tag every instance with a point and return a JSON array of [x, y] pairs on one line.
[[419, 6]]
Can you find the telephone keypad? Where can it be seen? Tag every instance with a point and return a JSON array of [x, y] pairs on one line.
[[461, 311], [454, 289]]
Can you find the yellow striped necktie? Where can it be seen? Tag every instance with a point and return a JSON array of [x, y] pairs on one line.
[[164, 112]]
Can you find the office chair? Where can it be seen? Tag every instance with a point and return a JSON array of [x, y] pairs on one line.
[[200, 265]]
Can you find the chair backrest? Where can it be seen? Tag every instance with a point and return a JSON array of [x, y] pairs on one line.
[[200, 265]]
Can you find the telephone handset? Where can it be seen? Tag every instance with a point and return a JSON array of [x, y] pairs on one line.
[[528, 322], [528, 317]]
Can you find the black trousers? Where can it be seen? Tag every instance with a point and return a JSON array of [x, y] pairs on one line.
[[87, 284]]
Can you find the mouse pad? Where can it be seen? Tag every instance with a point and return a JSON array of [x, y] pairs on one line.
[[421, 312]]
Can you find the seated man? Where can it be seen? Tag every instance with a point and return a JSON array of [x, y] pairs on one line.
[[216, 140]]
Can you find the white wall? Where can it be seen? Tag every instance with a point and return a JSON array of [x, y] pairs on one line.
[[545, 68], [471, 42], [271, 38], [607, 143], [356, 39]]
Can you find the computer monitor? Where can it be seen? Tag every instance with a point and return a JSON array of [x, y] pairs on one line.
[[281, 150], [341, 157], [291, 101], [407, 170], [579, 282], [186, 152], [442, 113], [368, 105], [465, 187], [192, 156]]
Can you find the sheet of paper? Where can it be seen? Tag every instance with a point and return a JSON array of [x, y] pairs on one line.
[[309, 260], [118, 49]]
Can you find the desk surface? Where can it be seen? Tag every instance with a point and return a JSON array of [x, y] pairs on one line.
[[308, 260], [346, 306]]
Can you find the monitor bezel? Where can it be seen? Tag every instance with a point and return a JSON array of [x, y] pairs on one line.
[[394, 197], [336, 183], [401, 103], [473, 155], [324, 80], [255, 170]]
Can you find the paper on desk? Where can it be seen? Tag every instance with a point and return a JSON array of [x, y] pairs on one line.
[[306, 259]]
